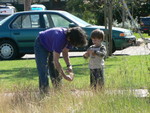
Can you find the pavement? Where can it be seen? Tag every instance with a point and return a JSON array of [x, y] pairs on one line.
[[140, 49], [71, 54], [134, 50]]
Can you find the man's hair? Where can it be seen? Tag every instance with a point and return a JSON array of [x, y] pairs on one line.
[[77, 36], [97, 33]]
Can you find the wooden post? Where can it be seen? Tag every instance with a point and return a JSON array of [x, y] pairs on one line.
[[123, 17], [27, 4], [108, 26]]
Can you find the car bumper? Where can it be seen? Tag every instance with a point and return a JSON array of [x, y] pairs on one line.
[[122, 43]]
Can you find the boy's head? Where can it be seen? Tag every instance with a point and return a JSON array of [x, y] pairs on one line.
[[98, 34]]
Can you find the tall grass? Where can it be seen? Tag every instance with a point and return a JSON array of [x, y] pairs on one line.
[[19, 88]]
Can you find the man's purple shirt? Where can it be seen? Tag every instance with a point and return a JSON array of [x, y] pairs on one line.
[[54, 39]]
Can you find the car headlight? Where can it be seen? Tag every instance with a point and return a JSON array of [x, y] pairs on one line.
[[122, 35], [125, 34]]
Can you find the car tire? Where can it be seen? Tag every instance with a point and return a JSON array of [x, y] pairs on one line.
[[8, 50]]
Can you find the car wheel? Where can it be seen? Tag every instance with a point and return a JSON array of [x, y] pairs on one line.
[[8, 50]]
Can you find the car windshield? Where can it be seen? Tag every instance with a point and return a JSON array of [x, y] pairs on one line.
[[77, 20], [2, 17], [3, 20]]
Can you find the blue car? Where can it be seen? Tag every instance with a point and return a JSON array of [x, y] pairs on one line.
[[18, 31], [145, 24]]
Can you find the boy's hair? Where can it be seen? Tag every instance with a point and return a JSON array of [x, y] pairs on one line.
[[77, 36], [97, 33]]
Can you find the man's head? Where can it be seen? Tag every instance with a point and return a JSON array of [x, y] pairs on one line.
[[77, 37]]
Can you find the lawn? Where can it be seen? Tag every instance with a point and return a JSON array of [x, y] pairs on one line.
[[145, 35], [19, 88]]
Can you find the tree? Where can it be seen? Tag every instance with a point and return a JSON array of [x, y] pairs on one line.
[[108, 26], [27, 4]]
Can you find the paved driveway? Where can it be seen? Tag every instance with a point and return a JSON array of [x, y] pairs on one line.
[[135, 50], [71, 54]]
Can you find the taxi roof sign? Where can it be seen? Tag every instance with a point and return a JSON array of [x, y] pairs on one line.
[[37, 7]]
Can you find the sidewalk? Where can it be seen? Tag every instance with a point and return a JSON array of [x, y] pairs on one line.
[[134, 50], [71, 54], [141, 49]]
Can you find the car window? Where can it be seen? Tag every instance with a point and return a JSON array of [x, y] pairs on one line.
[[26, 21], [2, 17], [59, 21], [35, 21], [76, 20], [4, 20], [17, 23], [48, 21]]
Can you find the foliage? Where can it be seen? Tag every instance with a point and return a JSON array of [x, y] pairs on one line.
[[94, 9], [85, 9], [128, 24]]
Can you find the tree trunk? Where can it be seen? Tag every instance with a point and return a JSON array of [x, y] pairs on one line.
[[27, 4], [108, 26]]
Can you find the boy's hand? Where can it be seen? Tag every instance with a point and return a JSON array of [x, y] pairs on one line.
[[91, 52], [86, 55]]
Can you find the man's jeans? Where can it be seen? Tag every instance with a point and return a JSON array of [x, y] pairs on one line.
[[45, 66]]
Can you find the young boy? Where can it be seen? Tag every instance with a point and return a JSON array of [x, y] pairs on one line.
[[96, 53]]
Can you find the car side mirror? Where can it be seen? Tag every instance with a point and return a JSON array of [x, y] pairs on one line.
[[72, 25]]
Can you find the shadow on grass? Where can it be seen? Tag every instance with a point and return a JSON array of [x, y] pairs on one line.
[[17, 73], [81, 70], [31, 73]]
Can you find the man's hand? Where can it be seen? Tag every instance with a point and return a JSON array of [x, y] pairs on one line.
[[69, 69], [69, 77], [70, 74]]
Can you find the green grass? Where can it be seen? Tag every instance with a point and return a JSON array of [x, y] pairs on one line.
[[17, 72], [20, 78], [128, 71], [145, 35], [120, 72]]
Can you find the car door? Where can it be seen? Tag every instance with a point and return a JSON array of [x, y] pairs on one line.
[[25, 29]]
